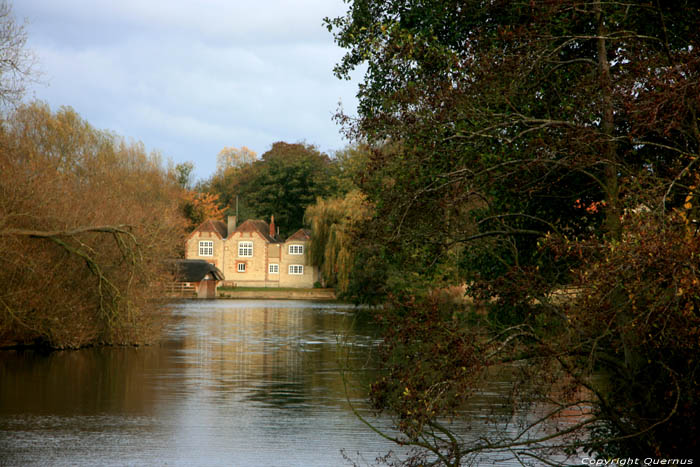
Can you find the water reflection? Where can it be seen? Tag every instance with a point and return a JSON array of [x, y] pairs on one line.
[[234, 383], [242, 383]]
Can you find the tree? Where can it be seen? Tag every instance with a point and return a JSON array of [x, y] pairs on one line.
[[332, 248], [86, 222], [350, 163], [234, 158], [184, 174], [198, 207], [286, 179], [527, 131], [290, 178], [15, 60]]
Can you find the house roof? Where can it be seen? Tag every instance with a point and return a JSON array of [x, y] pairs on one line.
[[261, 227], [300, 235], [194, 270], [251, 225], [211, 225]]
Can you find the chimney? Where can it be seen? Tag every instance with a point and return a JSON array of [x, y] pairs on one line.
[[272, 226], [231, 225]]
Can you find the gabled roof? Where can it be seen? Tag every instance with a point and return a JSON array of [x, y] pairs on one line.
[[300, 235], [256, 225], [211, 225], [194, 270]]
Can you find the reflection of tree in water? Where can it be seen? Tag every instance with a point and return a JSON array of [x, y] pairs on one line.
[[96, 380], [275, 355]]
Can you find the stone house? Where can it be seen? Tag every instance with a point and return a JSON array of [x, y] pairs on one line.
[[252, 254]]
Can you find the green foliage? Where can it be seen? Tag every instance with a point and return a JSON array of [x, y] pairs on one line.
[[509, 141], [283, 182], [368, 282], [350, 163], [332, 247], [423, 344], [183, 173], [290, 178]]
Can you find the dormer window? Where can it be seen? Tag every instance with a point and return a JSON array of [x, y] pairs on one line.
[[206, 248], [245, 249], [296, 249]]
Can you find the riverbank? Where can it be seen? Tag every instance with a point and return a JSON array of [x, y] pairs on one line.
[[275, 293]]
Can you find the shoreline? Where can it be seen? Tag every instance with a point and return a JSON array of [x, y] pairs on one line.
[[284, 294]]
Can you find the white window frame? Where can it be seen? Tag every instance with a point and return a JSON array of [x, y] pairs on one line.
[[273, 268], [206, 248], [296, 269], [245, 249], [296, 249], [240, 267]]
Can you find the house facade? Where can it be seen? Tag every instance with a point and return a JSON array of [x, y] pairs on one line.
[[252, 254]]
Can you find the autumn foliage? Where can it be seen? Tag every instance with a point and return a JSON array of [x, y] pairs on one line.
[[636, 314], [86, 220], [198, 207]]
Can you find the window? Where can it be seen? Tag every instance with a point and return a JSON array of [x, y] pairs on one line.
[[296, 249], [296, 269], [274, 268], [241, 267], [245, 248], [206, 248]]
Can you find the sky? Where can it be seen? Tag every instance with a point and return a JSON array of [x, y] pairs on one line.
[[188, 78]]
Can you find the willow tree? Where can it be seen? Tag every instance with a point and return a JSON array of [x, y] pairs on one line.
[[333, 223], [571, 129]]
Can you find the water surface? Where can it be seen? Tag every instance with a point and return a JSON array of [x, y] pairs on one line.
[[233, 383]]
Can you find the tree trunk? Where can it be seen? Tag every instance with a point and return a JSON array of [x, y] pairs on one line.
[[609, 149]]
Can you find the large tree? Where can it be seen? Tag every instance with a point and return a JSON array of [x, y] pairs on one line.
[[282, 183], [531, 145], [86, 224]]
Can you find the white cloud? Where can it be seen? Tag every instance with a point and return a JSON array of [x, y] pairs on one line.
[[189, 80]]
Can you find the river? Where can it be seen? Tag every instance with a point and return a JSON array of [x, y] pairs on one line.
[[240, 383], [233, 383]]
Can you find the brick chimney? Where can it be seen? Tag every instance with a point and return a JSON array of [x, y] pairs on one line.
[[272, 226], [231, 225]]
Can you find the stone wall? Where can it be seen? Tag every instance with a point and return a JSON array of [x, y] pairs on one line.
[[313, 294], [307, 279], [192, 248]]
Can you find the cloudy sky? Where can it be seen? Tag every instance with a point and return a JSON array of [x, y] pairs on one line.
[[188, 78]]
